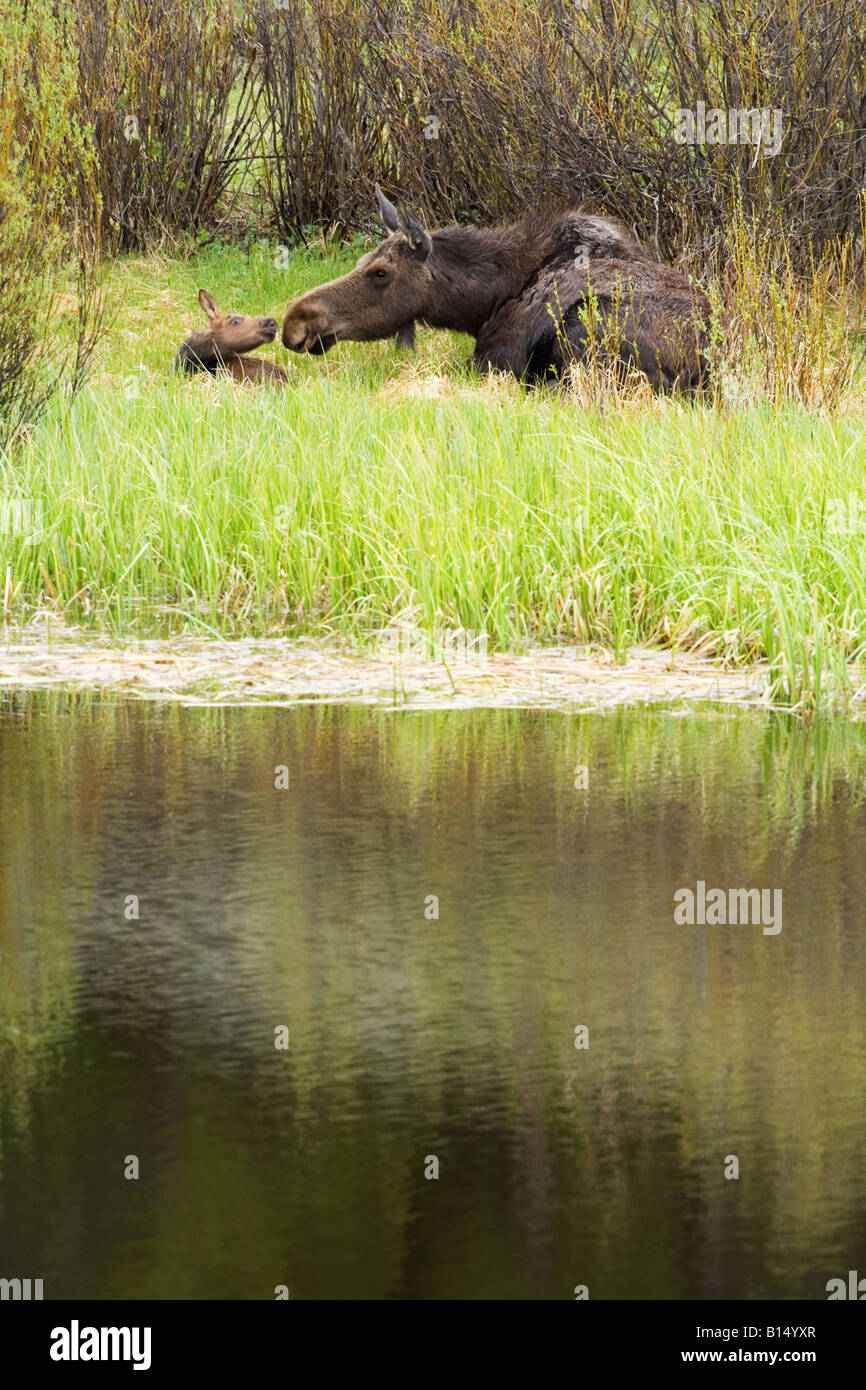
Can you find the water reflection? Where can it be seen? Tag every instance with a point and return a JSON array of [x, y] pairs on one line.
[[414, 1034]]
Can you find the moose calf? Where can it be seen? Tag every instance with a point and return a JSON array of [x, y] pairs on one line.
[[220, 346]]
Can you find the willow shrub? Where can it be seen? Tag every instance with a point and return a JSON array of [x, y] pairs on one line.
[[49, 215], [168, 89], [488, 108]]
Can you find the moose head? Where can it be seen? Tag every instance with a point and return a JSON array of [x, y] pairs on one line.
[[386, 292], [222, 344]]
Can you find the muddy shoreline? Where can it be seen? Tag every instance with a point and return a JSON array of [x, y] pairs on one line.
[[248, 671]]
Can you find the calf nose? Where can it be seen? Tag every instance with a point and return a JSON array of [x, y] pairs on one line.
[[270, 325]]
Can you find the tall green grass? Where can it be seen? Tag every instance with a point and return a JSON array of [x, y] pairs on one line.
[[356, 497]]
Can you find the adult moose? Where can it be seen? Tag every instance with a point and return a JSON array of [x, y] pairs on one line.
[[535, 295], [222, 344]]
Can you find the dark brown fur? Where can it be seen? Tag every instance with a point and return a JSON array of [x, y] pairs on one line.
[[220, 346], [524, 292]]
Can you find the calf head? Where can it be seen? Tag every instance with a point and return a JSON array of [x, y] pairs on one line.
[[226, 336], [387, 290]]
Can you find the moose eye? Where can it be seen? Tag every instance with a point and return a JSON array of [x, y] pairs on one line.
[[381, 274], [235, 318]]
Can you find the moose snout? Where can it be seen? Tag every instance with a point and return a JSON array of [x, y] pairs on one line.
[[270, 328], [306, 327]]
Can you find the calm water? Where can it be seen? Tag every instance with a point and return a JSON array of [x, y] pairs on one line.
[[413, 1036]]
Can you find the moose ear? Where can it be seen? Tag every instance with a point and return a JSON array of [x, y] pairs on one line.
[[387, 210], [419, 240], [209, 304]]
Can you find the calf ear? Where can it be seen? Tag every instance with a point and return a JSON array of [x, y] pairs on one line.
[[209, 304], [419, 241], [387, 210]]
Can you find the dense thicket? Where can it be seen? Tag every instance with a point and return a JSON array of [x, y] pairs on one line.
[[49, 211], [476, 109], [484, 108]]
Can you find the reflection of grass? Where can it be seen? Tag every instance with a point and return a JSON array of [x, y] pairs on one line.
[[36, 1003], [370, 490]]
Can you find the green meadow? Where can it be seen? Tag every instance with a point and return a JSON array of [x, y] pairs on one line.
[[384, 485]]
